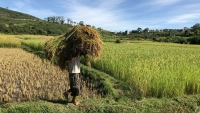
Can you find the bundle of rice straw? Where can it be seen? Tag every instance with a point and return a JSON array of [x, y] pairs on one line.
[[80, 40]]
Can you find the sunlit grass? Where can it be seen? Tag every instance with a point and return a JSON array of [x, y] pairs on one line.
[[154, 69], [9, 42], [13, 41]]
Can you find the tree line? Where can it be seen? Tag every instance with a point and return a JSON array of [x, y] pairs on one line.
[[183, 36]]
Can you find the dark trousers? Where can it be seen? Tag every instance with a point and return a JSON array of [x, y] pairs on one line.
[[75, 83]]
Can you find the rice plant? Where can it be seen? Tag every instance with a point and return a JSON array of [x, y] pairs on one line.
[[37, 45], [24, 76], [153, 69], [9, 42]]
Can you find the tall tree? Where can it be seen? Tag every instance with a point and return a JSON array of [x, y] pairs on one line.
[[187, 32], [196, 27], [146, 30]]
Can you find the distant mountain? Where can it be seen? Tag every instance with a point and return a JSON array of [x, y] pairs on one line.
[[13, 22]]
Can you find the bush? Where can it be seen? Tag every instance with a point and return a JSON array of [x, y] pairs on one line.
[[118, 41], [194, 40]]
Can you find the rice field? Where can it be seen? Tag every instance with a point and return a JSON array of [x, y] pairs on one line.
[[9, 42], [25, 76], [37, 45], [150, 69], [26, 37], [35, 42], [153, 69]]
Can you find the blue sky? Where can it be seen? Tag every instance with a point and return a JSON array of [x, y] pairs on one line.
[[115, 15]]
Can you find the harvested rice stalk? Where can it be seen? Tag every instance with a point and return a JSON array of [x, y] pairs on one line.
[[80, 40]]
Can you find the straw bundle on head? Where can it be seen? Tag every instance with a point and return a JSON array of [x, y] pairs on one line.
[[80, 40]]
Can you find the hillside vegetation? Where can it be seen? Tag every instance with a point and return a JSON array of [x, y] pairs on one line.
[[13, 22], [9, 15]]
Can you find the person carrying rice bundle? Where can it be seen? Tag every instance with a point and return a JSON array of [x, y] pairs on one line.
[[79, 41]]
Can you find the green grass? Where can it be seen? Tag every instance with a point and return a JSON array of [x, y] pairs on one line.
[[185, 104], [107, 86]]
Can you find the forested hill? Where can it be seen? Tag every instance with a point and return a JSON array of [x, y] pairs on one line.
[[13, 22], [9, 15]]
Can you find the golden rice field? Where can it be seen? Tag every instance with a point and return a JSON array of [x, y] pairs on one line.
[[25, 76], [153, 69]]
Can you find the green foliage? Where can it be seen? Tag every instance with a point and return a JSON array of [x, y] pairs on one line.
[[196, 27], [108, 40], [118, 41], [107, 36], [194, 40], [173, 39], [2, 28], [12, 22], [100, 80]]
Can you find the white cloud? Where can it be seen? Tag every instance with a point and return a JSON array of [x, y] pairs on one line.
[[106, 15], [102, 15], [184, 18]]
